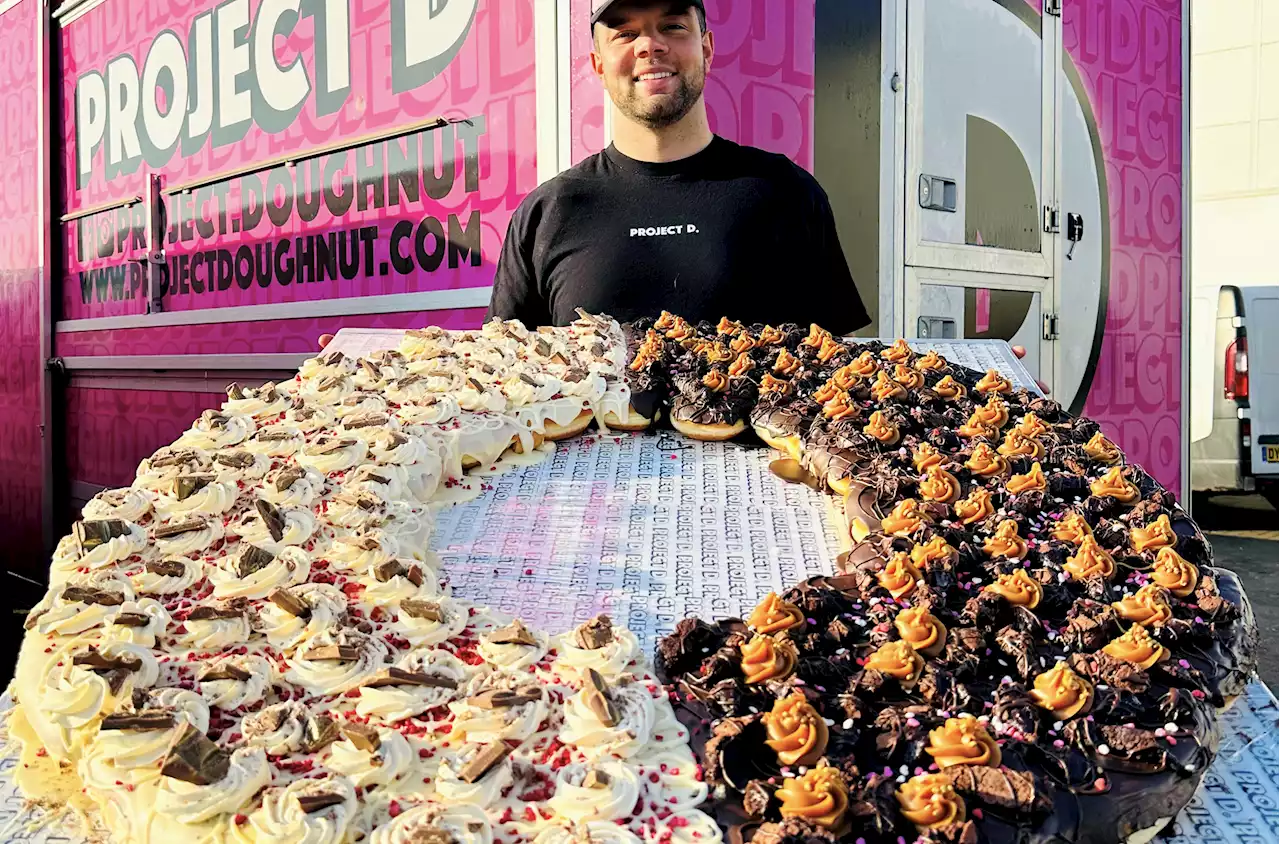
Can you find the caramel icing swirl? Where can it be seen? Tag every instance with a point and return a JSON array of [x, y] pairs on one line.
[[904, 519], [1175, 573], [1090, 559], [1158, 534], [899, 575], [886, 388], [1148, 606], [715, 381], [819, 797], [975, 507], [773, 615], [817, 336], [993, 382], [995, 413], [742, 365], [963, 741], [1006, 542], [770, 336], [840, 406], [1137, 648], [1032, 426], [1062, 691], [936, 550], [899, 352], [765, 658], [950, 388], [921, 630], [769, 384], [1073, 528], [1114, 485], [1017, 588], [930, 801], [845, 378], [1102, 449], [786, 363], [939, 485], [984, 462], [826, 392], [879, 428], [926, 456], [931, 362], [728, 326], [908, 377], [829, 349], [796, 732], [865, 365], [897, 660], [1033, 481], [744, 342], [1017, 445]]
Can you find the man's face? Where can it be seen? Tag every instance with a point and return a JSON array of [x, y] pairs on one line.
[[653, 60]]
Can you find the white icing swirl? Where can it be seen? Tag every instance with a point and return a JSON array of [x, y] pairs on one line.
[[308, 419], [362, 551], [212, 633], [432, 410], [290, 567], [329, 365], [255, 471], [328, 392], [696, 828], [214, 430], [299, 525], [131, 504], [115, 549], [465, 824], [193, 541], [247, 773], [425, 631], [278, 729], [234, 694], [387, 482], [634, 730], [284, 630], [514, 657], [396, 703], [151, 583], [302, 493], [590, 832], [339, 460], [610, 660], [490, 399], [335, 676], [144, 635], [383, 767], [514, 723], [281, 819], [213, 499], [484, 791], [259, 443], [127, 749], [614, 800]]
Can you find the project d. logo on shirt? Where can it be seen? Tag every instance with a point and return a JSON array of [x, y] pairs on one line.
[[661, 231]]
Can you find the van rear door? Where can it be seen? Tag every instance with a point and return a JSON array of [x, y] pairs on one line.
[[1262, 325]]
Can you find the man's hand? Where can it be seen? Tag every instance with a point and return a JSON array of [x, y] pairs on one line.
[[326, 339], [1019, 352]]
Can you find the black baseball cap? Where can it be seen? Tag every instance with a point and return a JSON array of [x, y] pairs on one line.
[[599, 7]]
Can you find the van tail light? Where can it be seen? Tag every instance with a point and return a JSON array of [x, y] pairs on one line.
[[1236, 370]]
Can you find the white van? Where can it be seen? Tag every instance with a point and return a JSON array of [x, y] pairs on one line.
[[1235, 415]]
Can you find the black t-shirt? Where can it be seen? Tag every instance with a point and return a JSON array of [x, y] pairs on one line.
[[729, 231]]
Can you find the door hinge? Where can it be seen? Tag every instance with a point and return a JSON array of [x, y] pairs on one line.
[[1052, 219], [1050, 327], [1053, 7]]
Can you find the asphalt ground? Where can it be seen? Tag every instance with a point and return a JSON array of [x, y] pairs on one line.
[[1243, 532]]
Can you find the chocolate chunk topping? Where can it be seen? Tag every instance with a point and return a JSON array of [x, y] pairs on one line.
[[328, 446], [206, 613], [287, 477], [421, 609], [253, 559], [274, 436], [372, 476], [346, 653], [484, 761], [594, 634], [132, 619], [33, 618], [504, 698], [1103, 668], [149, 719], [185, 486], [179, 528], [167, 568], [514, 633], [363, 736], [302, 413], [271, 517], [195, 759], [414, 576], [1008, 789], [365, 500], [559, 358], [371, 369], [235, 459], [173, 458], [595, 779], [235, 391], [365, 420], [394, 440], [290, 603], [1020, 648], [212, 419], [331, 382], [92, 534], [596, 692], [399, 677], [756, 799], [575, 375], [85, 595], [530, 380], [98, 662], [319, 732], [310, 803], [225, 671], [407, 381], [474, 383], [332, 358], [392, 568], [542, 347]]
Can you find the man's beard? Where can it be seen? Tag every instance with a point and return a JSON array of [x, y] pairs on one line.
[[660, 112]]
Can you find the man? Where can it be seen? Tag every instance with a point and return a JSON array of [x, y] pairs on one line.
[[671, 216]]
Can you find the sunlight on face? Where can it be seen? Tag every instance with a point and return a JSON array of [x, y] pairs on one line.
[[653, 60]]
